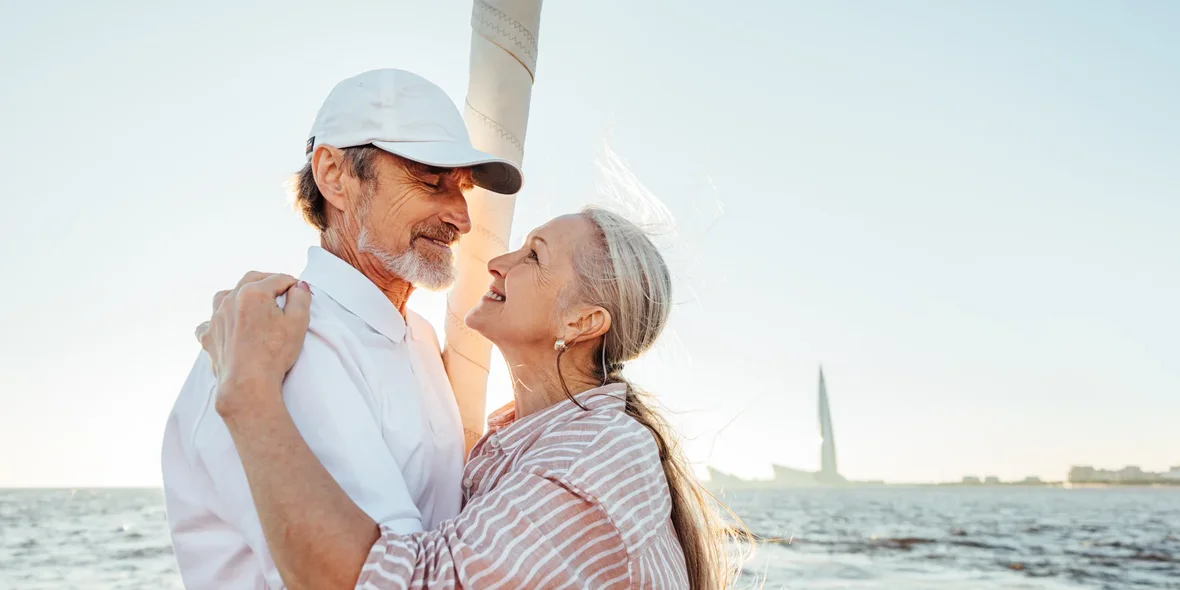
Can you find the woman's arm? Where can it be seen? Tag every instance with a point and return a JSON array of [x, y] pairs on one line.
[[317, 535], [531, 531]]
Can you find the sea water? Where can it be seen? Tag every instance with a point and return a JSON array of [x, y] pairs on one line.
[[919, 538]]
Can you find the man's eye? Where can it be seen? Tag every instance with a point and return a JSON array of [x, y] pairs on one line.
[[433, 181]]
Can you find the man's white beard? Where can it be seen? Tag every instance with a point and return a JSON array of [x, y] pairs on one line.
[[410, 265]]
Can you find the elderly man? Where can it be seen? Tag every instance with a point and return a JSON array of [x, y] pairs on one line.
[[388, 163]]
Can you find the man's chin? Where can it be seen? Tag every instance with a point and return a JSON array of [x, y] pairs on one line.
[[429, 271], [434, 278], [431, 285]]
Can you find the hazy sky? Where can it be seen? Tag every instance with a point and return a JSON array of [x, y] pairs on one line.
[[969, 212]]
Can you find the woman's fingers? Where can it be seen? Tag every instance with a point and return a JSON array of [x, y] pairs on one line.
[[270, 286], [249, 338], [252, 277], [264, 285], [218, 297], [298, 305], [202, 329]]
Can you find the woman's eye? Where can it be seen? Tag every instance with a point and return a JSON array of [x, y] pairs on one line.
[[532, 254]]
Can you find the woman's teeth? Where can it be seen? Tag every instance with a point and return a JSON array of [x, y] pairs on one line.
[[494, 296]]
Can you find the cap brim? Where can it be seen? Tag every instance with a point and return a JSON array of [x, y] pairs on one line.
[[487, 171]]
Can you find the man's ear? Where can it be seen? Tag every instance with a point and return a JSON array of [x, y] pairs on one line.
[[588, 323], [327, 166]]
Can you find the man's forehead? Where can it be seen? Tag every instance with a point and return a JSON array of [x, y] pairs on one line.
[[465, 170], [464, 174], [432, 169]]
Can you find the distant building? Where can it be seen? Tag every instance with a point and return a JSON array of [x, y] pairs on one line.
[[1131, 474], [991, 480], [723, 479], [791, 477], [1173, 474], [1031, 480], [828, 474], [970, 480], [1083, 474]]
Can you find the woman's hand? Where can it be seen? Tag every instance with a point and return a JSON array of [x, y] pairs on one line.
[[316, 534], [251, 342]]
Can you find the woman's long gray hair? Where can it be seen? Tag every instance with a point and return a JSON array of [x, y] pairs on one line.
[[624, 273]]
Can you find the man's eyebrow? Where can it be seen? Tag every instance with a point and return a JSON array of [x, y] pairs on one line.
[[463, 172]]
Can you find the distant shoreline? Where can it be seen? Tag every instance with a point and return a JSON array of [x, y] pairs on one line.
[[762, 485], [771, 485]]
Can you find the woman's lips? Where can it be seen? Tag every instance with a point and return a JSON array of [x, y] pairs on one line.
[[494, 294]]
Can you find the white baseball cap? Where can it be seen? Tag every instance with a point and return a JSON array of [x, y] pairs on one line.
[[407, 115]]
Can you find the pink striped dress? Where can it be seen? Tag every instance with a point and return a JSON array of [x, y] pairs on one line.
[[563, 498]]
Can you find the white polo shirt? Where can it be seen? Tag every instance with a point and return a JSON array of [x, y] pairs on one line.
[[370, 396]]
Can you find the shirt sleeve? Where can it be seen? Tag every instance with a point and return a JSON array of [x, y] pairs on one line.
[[325, 394], [209, 550], [530, 532]]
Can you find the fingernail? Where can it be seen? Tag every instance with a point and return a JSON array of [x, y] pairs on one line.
[[303, 285]]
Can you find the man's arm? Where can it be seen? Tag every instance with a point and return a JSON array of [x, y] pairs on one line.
[[326, 405]]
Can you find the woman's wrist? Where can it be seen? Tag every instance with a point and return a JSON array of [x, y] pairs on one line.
[[244, 395]]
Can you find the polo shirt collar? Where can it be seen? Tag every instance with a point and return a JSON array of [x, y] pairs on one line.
[[354, 291]]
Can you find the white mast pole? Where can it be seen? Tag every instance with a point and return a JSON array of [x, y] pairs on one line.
[[503, 66]]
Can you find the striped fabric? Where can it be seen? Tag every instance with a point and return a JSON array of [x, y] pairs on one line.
[[563, 498]]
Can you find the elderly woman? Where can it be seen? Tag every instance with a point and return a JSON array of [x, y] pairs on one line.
[[577, 484]]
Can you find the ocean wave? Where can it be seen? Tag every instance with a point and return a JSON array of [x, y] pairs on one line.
[[888, 538]]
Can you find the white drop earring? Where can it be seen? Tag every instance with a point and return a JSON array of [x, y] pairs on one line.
[[559, 345]]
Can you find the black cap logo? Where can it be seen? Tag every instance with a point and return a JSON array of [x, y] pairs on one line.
[[310, 144]]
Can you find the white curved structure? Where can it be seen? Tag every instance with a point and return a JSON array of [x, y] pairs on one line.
[[503, 65]]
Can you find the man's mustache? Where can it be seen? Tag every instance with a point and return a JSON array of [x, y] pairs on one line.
[[445, 233]]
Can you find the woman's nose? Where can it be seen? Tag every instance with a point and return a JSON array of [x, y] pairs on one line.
[[498, 266]]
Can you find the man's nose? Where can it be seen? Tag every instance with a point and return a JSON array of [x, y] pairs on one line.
[[455, 212]]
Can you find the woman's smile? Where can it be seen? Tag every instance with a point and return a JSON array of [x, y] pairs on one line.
[[494, 294]]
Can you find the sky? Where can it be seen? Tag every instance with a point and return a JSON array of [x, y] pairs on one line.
[[968, 213]]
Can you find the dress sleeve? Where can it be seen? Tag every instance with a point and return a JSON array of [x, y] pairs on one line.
[[531, 531]]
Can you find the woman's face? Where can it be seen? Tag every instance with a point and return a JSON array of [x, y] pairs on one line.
[[522, 308]]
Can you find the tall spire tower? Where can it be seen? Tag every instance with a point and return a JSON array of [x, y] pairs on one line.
[[828, 473]]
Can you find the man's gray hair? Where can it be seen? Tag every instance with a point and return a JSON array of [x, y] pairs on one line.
[[358, 161]]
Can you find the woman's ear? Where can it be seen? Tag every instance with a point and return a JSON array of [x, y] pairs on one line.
[[327, 166], [588, 324]]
